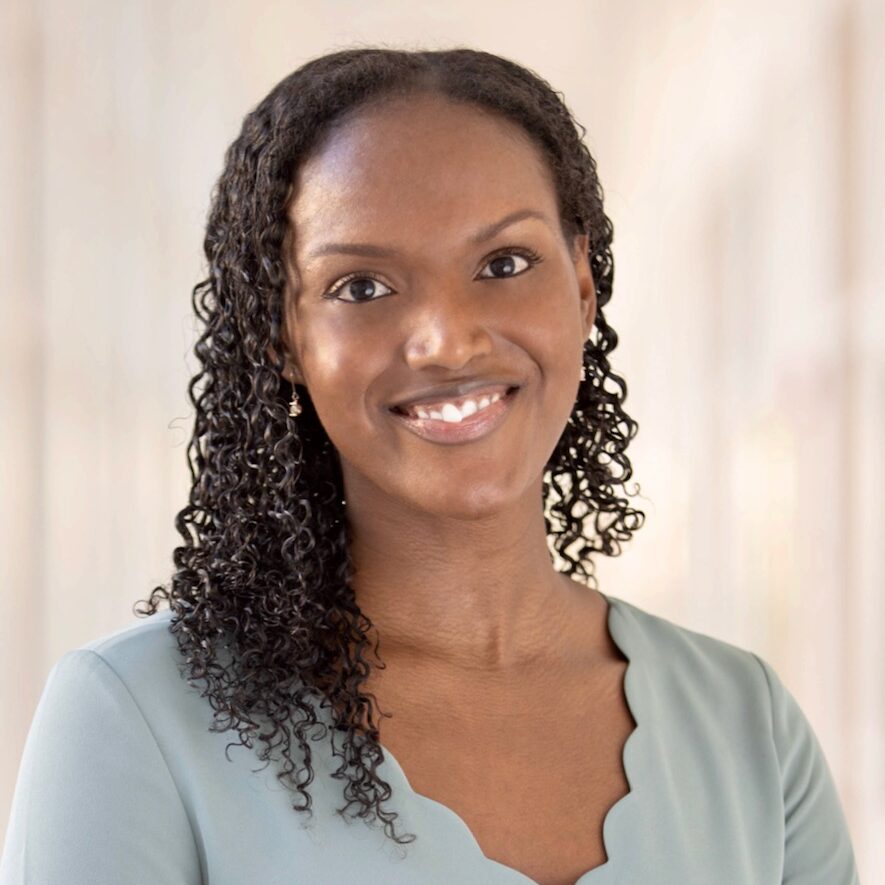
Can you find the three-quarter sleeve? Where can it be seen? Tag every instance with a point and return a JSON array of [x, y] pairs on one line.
[[817, 845], [95, 803]]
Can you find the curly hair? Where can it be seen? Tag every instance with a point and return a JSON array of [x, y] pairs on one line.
[[264, 614]]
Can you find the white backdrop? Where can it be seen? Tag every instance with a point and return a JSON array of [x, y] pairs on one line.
[[739, 144]]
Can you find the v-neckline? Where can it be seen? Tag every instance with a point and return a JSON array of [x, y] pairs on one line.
[[620, 638]]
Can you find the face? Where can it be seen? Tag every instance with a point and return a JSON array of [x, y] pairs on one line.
[[426, 261]]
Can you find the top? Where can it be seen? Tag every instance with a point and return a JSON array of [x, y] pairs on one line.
[[121, 782]]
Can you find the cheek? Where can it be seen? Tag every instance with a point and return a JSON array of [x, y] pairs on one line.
[[554, 342], [339, 368], [551, 333]]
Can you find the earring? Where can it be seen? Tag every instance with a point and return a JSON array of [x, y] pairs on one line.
[[295, 404]]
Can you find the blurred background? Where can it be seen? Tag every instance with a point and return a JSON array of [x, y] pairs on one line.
[[740, 146]]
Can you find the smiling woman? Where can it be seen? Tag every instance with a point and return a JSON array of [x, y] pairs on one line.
[[465, 278], [405, 418]]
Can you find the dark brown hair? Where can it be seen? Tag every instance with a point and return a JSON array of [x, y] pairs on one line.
[[263, 611]]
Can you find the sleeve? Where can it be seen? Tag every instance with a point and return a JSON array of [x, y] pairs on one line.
[[817, 845], [95, 803]]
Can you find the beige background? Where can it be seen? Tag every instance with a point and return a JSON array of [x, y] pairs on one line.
[[740, 145]]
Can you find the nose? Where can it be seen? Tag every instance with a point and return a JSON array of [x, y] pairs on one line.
[[447, 331]]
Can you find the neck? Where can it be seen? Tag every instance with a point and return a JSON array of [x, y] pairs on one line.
[[477, 595]]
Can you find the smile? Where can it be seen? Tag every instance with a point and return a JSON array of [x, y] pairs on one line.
[[470, 419]]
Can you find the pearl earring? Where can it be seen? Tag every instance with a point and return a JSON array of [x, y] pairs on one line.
[[295, 404]]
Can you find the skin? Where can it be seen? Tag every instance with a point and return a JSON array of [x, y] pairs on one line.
[[449, 543], [452, 563]]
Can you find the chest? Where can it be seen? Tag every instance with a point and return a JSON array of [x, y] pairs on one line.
[[533, 790]]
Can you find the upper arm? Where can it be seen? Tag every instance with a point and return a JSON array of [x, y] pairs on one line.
[[95, 802], [817, 845]]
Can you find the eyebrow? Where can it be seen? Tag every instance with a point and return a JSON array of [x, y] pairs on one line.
[[367, 250]]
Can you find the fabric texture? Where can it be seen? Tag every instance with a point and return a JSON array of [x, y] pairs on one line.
[[121, 782]]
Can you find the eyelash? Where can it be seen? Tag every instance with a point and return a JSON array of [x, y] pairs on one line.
[[531, 256]]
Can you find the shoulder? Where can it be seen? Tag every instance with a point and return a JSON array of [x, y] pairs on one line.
[[143, 635], [669, 642], [143, 656], [137, 649], [119, 686], [720, 715], [95, 793], [137, 669], [690, 666]]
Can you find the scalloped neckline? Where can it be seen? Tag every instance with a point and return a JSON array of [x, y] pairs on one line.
[[627, 761]]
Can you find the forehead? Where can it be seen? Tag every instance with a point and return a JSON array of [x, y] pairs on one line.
[[421, 165]]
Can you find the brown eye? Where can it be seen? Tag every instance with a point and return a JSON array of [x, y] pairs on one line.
[[359, 289], [507, 263]]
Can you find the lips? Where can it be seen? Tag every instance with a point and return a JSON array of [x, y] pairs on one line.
[[454, 394], [474, 427]]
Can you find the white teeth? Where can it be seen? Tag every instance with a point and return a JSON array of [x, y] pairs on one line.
[[451, 413]]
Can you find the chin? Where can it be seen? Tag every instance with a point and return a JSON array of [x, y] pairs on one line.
[[469, 505]]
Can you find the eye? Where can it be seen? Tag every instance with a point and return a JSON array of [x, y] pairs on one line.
[[360, 287], [505, 263]]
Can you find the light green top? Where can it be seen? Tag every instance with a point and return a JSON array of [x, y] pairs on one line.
[[121, 783]]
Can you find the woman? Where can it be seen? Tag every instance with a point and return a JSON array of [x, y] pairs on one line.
[[406, 408]]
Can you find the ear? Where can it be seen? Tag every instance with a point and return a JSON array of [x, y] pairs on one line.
[[288, 333], [291, 370], [586, 285]]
